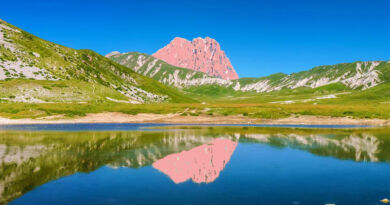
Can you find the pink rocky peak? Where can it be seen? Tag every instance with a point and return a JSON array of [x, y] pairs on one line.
[[204, 55]]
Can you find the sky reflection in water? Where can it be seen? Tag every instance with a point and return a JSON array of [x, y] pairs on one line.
[[207, 165]]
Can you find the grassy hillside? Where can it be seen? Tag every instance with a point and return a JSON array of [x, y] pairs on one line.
[[40, 91], [358, 75], [24, 56]]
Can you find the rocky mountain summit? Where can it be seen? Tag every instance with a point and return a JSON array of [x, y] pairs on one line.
[[204, 55]]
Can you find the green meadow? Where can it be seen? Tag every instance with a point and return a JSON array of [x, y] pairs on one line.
[[370, 103]]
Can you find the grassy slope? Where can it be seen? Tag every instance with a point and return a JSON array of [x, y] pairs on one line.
[[371, 103], [82, 65], [316, 73], [143, 82], [254, 110], [58, 91], [165, 70]]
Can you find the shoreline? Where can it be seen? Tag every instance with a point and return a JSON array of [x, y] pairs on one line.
[[116, 117]]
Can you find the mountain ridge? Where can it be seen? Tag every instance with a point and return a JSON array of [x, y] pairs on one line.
[[163, 72], [204, 55], [355, 75]]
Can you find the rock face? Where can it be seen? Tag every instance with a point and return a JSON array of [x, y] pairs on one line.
[[203, 55]]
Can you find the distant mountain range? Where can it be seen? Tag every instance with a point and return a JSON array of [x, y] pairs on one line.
[[33, 70], [357, 75]]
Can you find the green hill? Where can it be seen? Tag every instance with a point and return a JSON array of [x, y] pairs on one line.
[[28, 58]]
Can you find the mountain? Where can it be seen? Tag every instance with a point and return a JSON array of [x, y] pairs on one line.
[[48, 72], [167, 74], [200, 54], [356, 75], [345, 82], [33, 70]]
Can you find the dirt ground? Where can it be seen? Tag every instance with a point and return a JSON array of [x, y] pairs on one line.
[[115, 117]]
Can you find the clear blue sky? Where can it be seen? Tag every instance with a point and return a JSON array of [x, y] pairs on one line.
[[260, 37]]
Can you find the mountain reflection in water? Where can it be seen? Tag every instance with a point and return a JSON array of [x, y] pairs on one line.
[[201, 164], [29, 159]]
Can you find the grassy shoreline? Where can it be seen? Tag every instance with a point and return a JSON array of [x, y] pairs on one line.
[[256, 111]]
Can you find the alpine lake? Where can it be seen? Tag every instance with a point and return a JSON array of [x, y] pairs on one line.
[[194, 164]]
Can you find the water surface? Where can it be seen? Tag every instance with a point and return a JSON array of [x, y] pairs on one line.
[[133, 164]]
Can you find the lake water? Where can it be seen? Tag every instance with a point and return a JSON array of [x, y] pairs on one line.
[[140, 164]]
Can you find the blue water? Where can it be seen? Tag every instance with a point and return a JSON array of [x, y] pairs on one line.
[[144, 126], [83, 126], [285, 167], [256, 174]]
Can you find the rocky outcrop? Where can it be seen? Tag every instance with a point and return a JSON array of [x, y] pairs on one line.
[[204, 55]]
